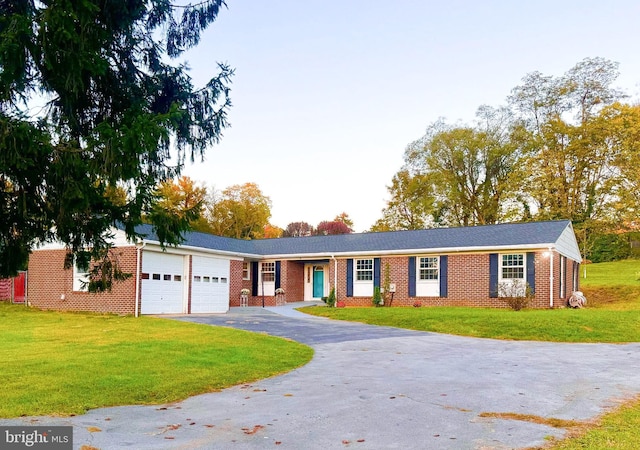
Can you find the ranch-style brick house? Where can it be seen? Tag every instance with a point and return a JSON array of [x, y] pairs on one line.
[[436, 267]]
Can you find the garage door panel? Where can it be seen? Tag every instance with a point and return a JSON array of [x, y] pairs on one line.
[[210, 285], [162, 286]]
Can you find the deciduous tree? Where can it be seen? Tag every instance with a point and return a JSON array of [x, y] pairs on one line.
[[332, 227], [411, 203], [298, 229], [572, 170], [470, 171], [176, 207], [241, 211]]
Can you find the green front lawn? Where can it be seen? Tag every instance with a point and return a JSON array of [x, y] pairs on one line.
[[561, 325], [67, 363]]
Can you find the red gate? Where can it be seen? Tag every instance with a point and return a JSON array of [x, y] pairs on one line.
[[19, 287]]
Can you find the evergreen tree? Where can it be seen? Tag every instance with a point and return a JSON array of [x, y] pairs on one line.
[[90, 104]]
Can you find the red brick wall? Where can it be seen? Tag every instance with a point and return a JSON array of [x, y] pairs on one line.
[[468, 282], [236, 284], [48, 282], [292, 280]]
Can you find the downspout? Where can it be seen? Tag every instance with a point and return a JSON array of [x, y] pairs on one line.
[[138, 281], [335, 275], [550, 278]]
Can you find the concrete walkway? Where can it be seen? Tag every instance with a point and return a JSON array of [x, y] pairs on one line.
[[373, 387]]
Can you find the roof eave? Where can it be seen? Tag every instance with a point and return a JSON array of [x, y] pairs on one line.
[[208, 250]]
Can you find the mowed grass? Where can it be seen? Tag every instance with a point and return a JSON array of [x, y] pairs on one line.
[[612, 315], [67, 363], [612, 285], [559, 325]]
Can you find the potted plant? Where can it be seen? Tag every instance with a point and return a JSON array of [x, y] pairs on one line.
[[280, 300], [244, 297]]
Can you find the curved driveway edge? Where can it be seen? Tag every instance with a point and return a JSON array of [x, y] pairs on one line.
[[371, 387]]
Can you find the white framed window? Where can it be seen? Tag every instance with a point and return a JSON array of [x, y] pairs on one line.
[[246, 273], [512, 266], [512, 274], [364, 270], [363, 277], [268, 272], [428, 268], [80, 279], [428, 276], [266, 278]]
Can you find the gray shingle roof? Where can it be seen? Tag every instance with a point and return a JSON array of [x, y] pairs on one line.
[[488, 236]]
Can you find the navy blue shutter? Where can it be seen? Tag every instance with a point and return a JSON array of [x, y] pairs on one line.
[[277, 274], [444, 268], [349, 277], [493, 275], [531, 271], [376, 272], [412, 276], [254, 278]]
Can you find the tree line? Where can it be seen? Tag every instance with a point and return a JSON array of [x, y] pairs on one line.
[[561, 148], [241, 211]]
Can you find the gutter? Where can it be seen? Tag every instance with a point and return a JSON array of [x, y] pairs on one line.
[[550, 277], [335, 274], [176, 250]]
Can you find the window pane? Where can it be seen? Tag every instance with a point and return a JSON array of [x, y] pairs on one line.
[[364, 269], [269, 276], [428, 268], [513, 266], [268, 271], [246, 274]]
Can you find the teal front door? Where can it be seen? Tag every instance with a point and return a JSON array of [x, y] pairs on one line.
[[318, 282]]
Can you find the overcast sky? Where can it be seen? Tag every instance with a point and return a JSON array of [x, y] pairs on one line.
[[327, 94]]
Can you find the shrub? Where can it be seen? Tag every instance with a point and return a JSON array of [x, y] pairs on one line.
[[331, 299], [377, 297], [517, 295]]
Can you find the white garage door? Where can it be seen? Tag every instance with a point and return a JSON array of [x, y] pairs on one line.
[[209, 285], [162, 283]]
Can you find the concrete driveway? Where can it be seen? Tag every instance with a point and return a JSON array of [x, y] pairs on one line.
[[373, 387]]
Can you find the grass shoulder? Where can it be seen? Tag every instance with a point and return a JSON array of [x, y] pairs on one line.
[[67, 363], [559, 325]]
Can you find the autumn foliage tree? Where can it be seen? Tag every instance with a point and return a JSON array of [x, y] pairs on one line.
[[332, 227], [563, 148], [240, 211], [176, 207]]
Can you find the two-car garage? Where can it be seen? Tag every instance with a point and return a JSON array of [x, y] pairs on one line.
[[173, 283]]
